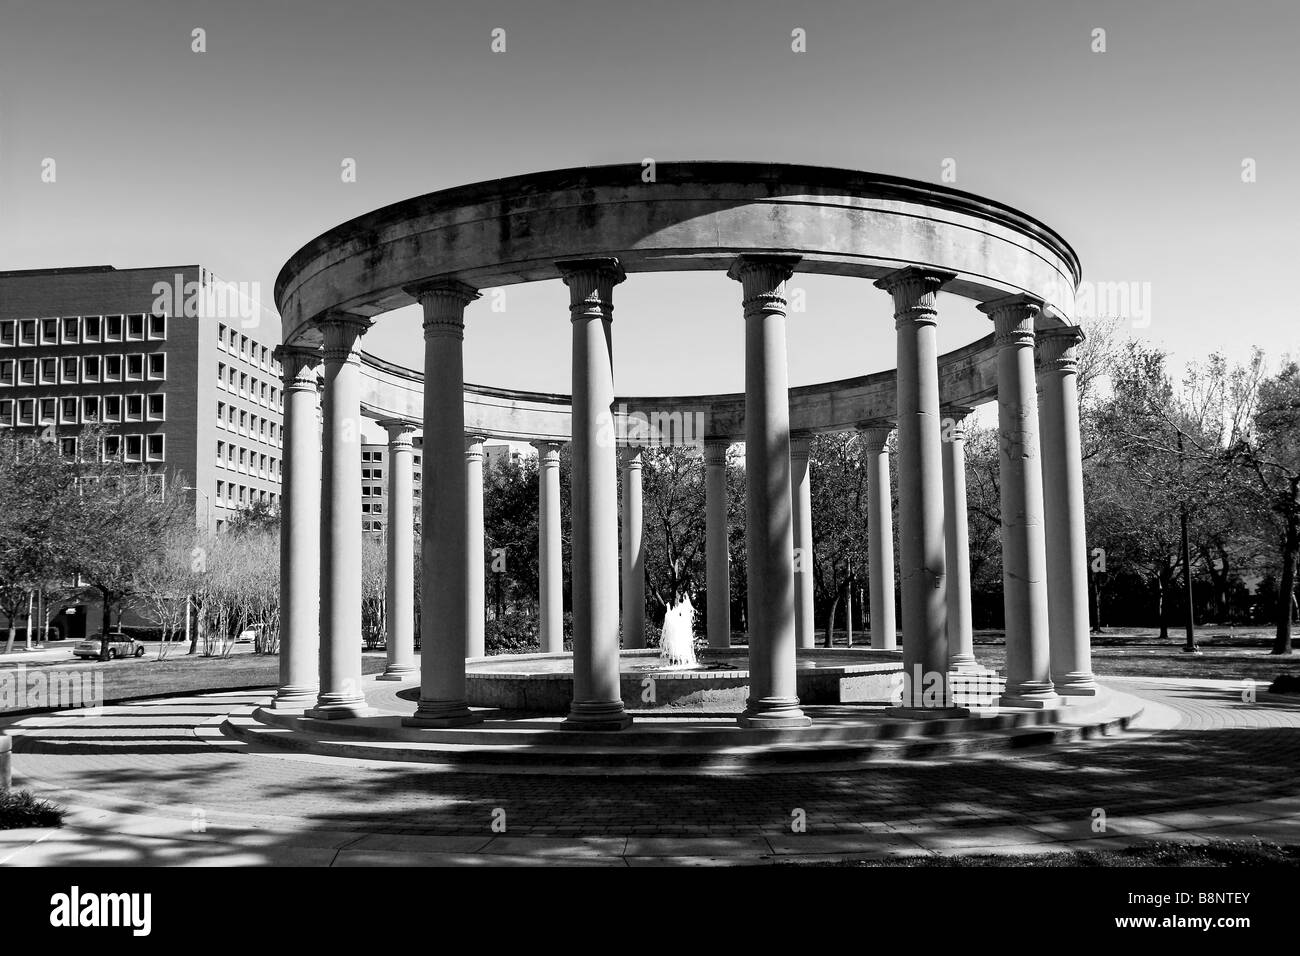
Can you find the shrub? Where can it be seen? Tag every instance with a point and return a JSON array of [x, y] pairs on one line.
[[515, 633], [19, 809]]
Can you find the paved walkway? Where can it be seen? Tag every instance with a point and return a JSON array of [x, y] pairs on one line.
[[146, 789]]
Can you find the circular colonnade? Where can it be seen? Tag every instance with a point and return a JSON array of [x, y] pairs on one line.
[[759, 224]]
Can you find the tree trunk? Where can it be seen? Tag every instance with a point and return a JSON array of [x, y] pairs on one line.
[[13, 634], [1160, 607], [830, 619], [105, 627], [1286, 591]]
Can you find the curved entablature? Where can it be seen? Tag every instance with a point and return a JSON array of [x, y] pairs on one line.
[[694, 216], [967, 376]]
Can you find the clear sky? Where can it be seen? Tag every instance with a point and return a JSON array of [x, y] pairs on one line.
[[231, 157]]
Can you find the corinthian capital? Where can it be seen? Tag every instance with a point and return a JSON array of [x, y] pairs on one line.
[[914, 289], [444, 302], [298, 367], [1058, 349], [762, 280], [1013, 318], [591, 285]]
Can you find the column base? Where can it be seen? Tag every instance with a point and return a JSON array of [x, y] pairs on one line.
[[597, 715], [964, 664], [773, 713], [884, 645], [1032, 696], [1077, 684], [291, 698], [403, 672], [442, 713], [719, 645], [340, 711]]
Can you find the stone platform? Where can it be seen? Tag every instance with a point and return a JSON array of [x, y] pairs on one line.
[[667, 742]]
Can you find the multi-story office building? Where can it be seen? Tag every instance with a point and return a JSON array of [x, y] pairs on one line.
[[374, 483], [177, 363]]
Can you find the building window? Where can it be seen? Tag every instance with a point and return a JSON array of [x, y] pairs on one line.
[[232, 380], [48, 410], [221, 454], [71, 330], [8, 333], [157, 407], [221, 336], [153, 447], [376, 473], [134, 367], [91, 326], [377, 508], [27, 372], [243, 422], [112, 447], [112, 408], [134, 408], [90, 408], [157, 326], [135, 327], [158, 365], [27, 332], [221, 494], [243, 459], [243, 384], [90, 368], [221, 375], [112, 328], [68, 447], [6, 411], [112, 368], [261, 465], [27, 411], [49, 331], [365, 456], [49, 371], [365, 507], [134, 445], [68, 410], [7, 372], [68, 369]]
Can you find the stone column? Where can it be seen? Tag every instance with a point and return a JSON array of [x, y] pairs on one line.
[[1067, 549], [801, 503], [476, 585], [920, 487], [597, 698], [769, 525], [1024, 550], [401, 552], [550, 555], [633, 552], [961, 640], [880, 537], [299, 532], [340, 693], [444, 525], [717, 551]]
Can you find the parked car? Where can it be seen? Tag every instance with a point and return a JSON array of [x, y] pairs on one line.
[[119, 645], [250, 634]]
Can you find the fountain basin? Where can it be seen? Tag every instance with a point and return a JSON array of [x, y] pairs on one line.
[[542, 684]]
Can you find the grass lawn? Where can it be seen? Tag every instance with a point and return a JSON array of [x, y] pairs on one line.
[[148, 677], [1150, 853]]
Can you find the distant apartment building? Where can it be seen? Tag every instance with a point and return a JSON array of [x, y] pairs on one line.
[[181, 373]]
